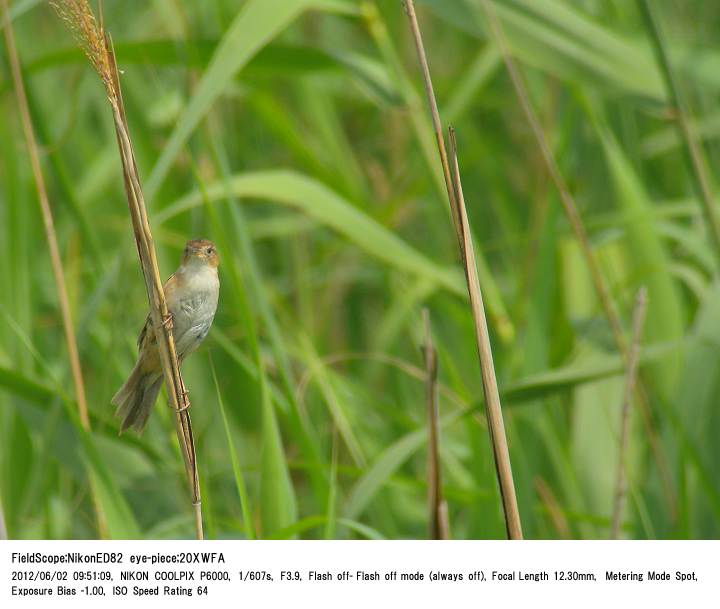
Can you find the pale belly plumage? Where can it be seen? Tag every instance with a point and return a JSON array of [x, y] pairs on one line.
[[193, 312]]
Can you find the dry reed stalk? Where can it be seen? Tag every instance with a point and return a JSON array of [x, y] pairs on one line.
[[495, 423], [51, 238], [496, 426], [698, 167], [573, 215], [47, 216], [547, 497], [439, 523], [630, 379], [97, 45]]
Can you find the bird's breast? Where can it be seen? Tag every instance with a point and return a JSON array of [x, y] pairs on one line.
[[193, 305]]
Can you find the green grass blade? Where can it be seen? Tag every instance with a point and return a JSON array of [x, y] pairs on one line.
[[237, 470], [278, 502], [328, 208], [382, 469], [258, 22]]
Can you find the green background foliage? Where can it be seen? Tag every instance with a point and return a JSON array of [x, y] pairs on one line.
[[295, 134]]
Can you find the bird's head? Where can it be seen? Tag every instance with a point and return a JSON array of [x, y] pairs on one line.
[[200, 252]]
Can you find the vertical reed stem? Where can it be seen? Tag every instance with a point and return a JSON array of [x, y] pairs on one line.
[[55, 258], [630, 377], [496, 426], [97, 46], [578, 228], [159, 313], [439, 524]]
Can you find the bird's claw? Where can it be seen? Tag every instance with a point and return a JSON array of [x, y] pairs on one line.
[[184, 407], [185, 401], [168, 321]]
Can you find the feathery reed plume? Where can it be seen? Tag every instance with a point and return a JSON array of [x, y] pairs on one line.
[[89, 34], [630, 377], [496, 426], [698, 168], [573, 216], [97, 45], [51, 238], [439, 523]]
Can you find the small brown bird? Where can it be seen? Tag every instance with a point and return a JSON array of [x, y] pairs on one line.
[[192, 296]]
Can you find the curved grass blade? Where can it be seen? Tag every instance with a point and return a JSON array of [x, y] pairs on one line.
[[258, 22], [328, 208], [386, 465]]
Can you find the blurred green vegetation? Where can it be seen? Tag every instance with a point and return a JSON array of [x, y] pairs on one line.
[[294, 133]]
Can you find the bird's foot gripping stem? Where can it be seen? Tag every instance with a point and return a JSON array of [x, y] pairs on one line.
[[184, 405], [185, 400]]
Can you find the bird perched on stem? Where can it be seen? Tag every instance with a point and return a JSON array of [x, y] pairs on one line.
[[191, 293]]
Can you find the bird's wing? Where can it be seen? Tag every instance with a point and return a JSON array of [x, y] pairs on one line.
[[147, 334]]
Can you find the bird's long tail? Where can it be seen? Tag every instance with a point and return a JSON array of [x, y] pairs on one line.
[[135, 399]]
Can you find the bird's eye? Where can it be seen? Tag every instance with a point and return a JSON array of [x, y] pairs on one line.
[[210, 250]]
